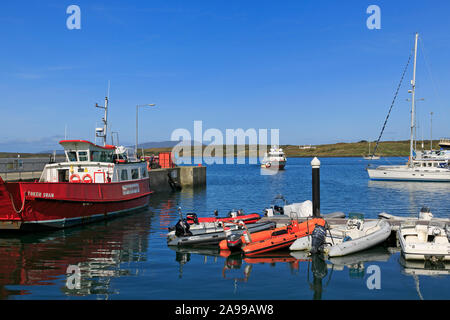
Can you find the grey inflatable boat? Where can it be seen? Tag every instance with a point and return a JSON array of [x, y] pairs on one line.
[[213, 235]]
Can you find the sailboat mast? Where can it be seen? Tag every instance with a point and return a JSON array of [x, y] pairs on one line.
[[413, 100]]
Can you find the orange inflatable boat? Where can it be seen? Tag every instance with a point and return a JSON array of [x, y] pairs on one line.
[[281, 238], [235, 243]]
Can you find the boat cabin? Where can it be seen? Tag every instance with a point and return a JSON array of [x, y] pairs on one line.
[[432, 164], [90, 163]]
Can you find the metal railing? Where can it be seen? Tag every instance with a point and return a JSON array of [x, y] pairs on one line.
[[17, 167]]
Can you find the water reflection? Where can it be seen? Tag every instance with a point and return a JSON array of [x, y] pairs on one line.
[[412, 186], [414, 194], [427, 268], [319, 269], [101, 251]]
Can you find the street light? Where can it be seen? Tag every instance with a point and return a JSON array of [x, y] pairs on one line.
[[137, 107]]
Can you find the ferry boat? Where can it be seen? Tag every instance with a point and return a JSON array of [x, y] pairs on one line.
[[421, 166], [274, 159], [93, 183]]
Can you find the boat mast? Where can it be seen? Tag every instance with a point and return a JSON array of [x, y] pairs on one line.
[[101, 132], [413, 89]]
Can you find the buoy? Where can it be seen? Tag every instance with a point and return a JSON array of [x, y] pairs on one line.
[[75, 178], [87, 178]]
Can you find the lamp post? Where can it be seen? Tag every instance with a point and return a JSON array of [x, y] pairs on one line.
[[137, 107]]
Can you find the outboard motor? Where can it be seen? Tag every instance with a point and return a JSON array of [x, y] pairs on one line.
[[318, 239], [182, 229], [234, 242], [192, 218]]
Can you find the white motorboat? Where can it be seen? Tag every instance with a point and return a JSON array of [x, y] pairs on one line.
[[421, 166], [355, 236], [274, 159], [425, 241]]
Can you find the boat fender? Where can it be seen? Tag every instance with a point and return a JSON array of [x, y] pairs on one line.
[[318, 239], [87, 178], [75, 178]]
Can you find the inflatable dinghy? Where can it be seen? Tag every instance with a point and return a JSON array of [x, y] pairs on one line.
[[283, 238], [233, 216], [356, 236], [211, 236]]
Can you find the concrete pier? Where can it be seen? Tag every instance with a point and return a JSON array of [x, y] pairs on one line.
[[184, 176]]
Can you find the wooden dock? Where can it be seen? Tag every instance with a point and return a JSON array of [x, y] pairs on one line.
[[395, 223]]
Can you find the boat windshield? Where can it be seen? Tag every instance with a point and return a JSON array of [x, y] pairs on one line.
[[72, 156], [102, 156]]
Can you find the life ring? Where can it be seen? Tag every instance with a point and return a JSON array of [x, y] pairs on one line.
[[268, 165], [75, 178], [87, 178]]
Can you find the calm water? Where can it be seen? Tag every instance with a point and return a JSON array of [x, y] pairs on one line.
[[127, 258]]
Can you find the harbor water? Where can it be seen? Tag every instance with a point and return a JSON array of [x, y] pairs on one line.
[[128, 258]]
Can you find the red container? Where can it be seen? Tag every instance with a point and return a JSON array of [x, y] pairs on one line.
[[165, 160]]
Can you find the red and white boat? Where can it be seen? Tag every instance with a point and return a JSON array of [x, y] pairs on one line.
[[275, 159], [94, 183]]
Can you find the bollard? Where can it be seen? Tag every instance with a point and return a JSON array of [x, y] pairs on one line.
[[315, 164]]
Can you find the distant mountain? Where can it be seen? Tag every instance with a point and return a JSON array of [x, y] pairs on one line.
[[165, 144]]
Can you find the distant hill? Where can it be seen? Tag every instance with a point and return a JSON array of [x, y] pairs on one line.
[[355, 149], [164, 144]]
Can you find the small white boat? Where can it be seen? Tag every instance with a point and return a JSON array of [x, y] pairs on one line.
[[356, 236], [425, 241], [296, 210], [371, 156], [275, 159]]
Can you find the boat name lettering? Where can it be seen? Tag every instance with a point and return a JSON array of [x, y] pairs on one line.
[[130, 189], [40, 194]]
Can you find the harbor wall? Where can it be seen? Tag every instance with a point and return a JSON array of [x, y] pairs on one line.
[[193, 176], [184, 176]]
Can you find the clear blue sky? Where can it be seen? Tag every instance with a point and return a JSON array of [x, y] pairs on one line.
[[309, 68]]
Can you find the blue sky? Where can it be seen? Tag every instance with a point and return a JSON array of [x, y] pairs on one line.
[[309, 68]]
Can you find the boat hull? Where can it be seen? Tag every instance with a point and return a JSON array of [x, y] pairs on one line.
[[215, 236], [35, 206], [421, 249], [405, 174], [279, 165]]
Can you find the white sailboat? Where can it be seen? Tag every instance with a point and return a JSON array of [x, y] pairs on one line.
[[418, 167], [371, 157]]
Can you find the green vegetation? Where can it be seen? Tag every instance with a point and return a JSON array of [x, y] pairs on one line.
[[355, 149]]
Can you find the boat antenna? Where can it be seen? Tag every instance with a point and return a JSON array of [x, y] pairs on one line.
[[392, 104], [102, 132]]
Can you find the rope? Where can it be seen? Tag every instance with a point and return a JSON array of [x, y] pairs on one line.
[[392, 104], [19, 212]]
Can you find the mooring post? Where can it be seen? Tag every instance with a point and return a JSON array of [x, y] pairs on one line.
[[315, 164]]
